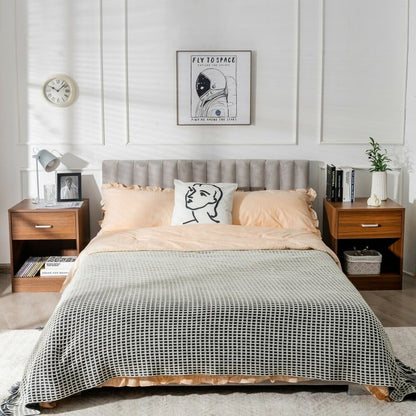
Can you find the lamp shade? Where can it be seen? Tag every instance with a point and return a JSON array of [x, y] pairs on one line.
[[48, 160]]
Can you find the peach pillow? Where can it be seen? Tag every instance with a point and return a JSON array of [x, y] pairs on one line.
[[283, 209], [134, 206]]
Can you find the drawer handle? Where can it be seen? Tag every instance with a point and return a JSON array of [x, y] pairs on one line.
[[370, 225], [43, 226]]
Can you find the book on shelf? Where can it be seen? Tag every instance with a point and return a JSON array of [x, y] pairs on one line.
[[31, 266], [21, 272], [53, 273], [46, 266], [60, 262]]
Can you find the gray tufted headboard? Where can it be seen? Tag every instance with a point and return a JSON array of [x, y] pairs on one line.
[[252, 174]]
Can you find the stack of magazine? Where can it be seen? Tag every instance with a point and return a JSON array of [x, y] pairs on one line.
[[340, 184], [31, 267], [46, 266], [57, 266]]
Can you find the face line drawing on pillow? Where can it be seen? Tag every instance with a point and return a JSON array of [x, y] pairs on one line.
[[202, 200]]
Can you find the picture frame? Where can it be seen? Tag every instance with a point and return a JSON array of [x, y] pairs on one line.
[[213, 87], [68, 187]]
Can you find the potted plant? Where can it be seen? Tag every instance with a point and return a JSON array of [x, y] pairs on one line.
[[379, 167]]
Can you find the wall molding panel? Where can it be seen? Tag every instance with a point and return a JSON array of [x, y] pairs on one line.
[[71, 45], [364, 70], [153, 37]]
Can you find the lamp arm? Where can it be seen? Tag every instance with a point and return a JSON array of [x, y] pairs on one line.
[[37, 179]]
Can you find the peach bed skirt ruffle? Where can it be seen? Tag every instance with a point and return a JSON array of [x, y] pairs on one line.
[[380, 393]]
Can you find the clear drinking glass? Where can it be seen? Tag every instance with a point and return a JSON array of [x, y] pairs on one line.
[[49, 194]]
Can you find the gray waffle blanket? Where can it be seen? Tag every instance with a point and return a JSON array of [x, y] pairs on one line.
[[264, 312]]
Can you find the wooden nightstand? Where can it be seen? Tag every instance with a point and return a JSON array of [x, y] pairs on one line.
[[45, 232], [354, 224]]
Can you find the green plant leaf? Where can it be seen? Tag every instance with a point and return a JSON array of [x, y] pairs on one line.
[[377, 157]]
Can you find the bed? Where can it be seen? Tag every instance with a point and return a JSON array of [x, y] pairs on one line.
[[257, 299]]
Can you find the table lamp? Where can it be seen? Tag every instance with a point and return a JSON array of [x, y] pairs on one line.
[[49, 162]]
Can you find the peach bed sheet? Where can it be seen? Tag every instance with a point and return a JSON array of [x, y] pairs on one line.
[[202, 238]]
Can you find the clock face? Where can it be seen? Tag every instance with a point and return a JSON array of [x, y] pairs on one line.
[[59, 90]]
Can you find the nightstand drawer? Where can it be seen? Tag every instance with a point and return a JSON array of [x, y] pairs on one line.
[[43, 225], [383, 224]]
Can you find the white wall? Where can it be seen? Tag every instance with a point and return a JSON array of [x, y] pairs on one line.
[[307, 72], [11, 154]]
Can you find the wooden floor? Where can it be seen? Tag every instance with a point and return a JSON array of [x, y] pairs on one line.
[[394, 307], [31, 310]]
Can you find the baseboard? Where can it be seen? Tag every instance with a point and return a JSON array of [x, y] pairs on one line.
[[408, 273], [4, 268]]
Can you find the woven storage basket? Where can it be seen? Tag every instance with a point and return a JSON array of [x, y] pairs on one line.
[[370, 263]]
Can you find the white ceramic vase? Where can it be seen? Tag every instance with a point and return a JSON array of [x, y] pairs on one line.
[[379, 185]]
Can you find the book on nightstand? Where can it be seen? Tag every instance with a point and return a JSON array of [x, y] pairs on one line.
[[330, 182], [348, 184], [339, 174], [340, 184]]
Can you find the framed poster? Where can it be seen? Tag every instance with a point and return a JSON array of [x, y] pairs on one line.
[[213, 87], [68, 187]]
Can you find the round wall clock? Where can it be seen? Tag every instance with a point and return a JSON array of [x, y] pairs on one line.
[[60, 90]]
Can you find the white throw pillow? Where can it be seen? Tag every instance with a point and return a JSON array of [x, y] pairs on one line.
[[203, 203]]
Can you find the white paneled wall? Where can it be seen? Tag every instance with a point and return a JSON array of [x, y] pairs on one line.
[[59, 37], [221, 25], [326, 74], [359, 39]]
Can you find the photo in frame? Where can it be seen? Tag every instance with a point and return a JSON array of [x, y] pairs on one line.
[[213, 87], [68, 187]]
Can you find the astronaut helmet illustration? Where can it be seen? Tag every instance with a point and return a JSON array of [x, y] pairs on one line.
[[210, 82]]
